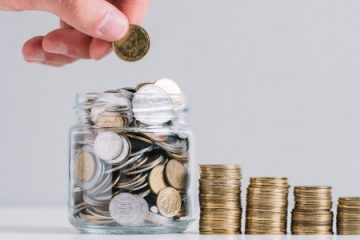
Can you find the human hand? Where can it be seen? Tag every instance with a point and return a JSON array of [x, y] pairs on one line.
[[87, 27]]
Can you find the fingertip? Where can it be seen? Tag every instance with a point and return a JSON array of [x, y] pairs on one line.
[[32, 50], [34, 53]]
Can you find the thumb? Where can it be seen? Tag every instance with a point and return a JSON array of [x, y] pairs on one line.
[[97, 18]]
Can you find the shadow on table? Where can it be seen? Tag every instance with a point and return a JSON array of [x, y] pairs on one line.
[[36, 229]]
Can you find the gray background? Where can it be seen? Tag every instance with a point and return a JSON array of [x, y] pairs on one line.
[[273, 85]]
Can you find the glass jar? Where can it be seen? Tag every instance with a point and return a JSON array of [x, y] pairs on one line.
[[130, 162]]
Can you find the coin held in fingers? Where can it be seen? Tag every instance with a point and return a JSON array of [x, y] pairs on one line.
[[134, 45]]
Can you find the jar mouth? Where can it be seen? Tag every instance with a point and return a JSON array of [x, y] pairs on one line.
[[148, 108], [96, 99]]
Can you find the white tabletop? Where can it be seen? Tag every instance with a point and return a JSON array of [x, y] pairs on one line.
[[52, 224]]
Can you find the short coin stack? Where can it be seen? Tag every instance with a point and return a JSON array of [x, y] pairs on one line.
[[267, 203], [348, 216], [220, 201], [312, 213]]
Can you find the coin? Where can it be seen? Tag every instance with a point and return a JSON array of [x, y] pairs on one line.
[[156, 137], [108, 145], [176, 174], [124, 151], [168, 202], [87, 169], [128, 209], [348, 216], [312, 213], [152, 105], [134, 45], [172, 89], [156, 179], [110, 119], [108, 101], [220, 202], [267, 203]]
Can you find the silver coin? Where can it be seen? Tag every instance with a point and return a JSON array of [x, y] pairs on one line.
[[111, 186], [136, 165], [127, 209], [125, 152], [142, 151], [146, 167], [144, 193], [124, 183], [91, 201], [126, 163], [139, 187], [108, 145], [135, 184], [99, 216], [171, 88], [174, 145], [144, 210], [152, 105], [101, 184]]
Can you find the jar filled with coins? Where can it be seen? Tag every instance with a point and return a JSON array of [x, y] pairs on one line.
[[130, 161]]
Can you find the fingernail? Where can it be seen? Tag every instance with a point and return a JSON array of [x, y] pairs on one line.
[[38, 57], [59, 49], [113, 27]]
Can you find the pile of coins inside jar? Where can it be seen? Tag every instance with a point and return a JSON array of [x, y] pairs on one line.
[[312, 213], [220, 202], [121, 175], [267, 206], [348, 216]]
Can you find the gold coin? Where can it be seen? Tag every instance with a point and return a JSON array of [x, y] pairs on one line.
[[176, 174], [168, 202], [156, 179], [85, 166], [110, 119], [220, 166], [134, 45]]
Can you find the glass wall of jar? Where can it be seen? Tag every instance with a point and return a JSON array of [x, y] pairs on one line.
[[130, 162]]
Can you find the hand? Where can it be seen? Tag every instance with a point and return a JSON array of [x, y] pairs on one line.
[[87, 27]]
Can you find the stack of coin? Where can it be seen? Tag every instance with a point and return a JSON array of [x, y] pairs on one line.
[[128, 165], [220, 201], [348, 216], [312, 213], [267, 204]]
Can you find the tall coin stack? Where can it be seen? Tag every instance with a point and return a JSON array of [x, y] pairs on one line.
[[348, 216], [267, 204], [220, 201], [312, 213]]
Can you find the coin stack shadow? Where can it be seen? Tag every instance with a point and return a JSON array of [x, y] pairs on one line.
[[267, 206], [220, 201], [312, 214], [348, 216]]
